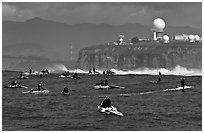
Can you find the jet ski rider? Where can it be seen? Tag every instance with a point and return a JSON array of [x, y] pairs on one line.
[[66, 90], [106, 103], [14, 84], [39, 88], [183, 83]]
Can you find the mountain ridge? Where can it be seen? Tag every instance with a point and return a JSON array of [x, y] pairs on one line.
[[55, 38]]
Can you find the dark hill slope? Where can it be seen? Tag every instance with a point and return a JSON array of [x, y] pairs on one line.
[[48, 38]]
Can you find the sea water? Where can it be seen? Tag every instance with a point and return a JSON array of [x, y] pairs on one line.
[[144, 105]]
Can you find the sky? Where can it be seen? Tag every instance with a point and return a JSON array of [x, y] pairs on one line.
[[114, 13]]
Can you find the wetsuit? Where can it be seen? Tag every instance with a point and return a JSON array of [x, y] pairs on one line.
[[66, 90], [94, 70], [106, 103], [21, 74], [67, 73], [106, 82], [90, 72], [158, 80], [30, 71], [47, 71], [75, 76], [14, 84], [40, 87], [183, 83]]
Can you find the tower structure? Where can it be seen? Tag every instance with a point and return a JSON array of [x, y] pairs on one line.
[[158, 29]]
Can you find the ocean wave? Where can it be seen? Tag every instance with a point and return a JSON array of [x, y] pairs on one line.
[[178, 70], [56, 68]]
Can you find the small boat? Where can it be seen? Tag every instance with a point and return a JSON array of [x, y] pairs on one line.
[[64, 93], [178, 88], [15, 86], [27, 73], [63, 76], [109, 110], [101, 87]]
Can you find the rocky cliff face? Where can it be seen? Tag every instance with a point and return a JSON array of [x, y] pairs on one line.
[[141, 55]]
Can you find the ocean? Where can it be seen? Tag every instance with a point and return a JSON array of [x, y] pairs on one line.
[[145, 104]]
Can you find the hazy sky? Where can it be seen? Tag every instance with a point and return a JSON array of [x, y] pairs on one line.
[[175, 14]]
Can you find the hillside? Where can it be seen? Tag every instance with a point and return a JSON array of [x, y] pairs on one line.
[[47, 38]]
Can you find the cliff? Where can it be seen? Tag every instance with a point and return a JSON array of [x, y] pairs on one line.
[[141, 55]]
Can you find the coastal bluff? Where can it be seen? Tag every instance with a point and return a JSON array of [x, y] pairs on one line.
[[150, 55]]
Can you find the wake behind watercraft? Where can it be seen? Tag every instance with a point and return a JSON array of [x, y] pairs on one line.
[[98, 86], [109, 110], [15, 86], [178, 88], [63, 76], [36, 92]]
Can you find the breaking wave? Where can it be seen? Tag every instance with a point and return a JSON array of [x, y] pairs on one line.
[[56, 68], [178, 70]]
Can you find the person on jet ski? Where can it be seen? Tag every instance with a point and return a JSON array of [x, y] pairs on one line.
[[106, 103], [75, 76], [66, 90], [30, 70], [90, 71], [46, 71], [107, 72], [14, 84], [94, 70], [183, 83], [67, 73], [106, 82], [101, 83], [39, 88], [21, 74], [158, 80]]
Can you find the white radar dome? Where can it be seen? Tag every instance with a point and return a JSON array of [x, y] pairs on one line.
[[191, 37], [159, 23], [197, 38], [166, 38]]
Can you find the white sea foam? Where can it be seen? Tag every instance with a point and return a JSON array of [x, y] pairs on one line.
[[178, 70], [78, 71], [55, 68]]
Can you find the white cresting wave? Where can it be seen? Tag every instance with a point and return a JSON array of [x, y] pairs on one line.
[[178, 70], [56, 68], [141, 93]]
